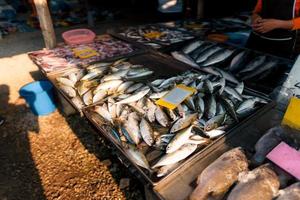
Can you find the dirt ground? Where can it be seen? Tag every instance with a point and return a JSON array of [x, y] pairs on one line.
[[50, 157]]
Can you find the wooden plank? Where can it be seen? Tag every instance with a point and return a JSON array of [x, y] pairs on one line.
[[45, 23]]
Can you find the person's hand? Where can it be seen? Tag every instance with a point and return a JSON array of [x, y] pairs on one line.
[[267, 25], [256, 19]]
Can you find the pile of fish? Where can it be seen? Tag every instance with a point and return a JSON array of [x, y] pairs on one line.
[[261, 183], [159, 139], [244, 64], [101, 80], [155, 36], [63, 57]]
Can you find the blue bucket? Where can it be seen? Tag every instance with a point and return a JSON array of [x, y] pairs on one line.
[[39, 96]]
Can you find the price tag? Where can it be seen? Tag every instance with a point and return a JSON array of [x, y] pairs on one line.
[[292, 115], [85, 52], [286, 158], [153, 35], [176, 96]]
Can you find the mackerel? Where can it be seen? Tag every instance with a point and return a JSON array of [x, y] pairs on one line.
[[176, 156]]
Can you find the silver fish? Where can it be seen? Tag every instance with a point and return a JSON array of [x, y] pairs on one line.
[[255, 63], [190, 103], [109, 86], [192, 46], [99, 71], [171, 114], [240, 88], [135, 97], [167, 169], [184, 58], [159, 95], [134, 87], [136, 71], [115, 76], [200, 50], [183, 122], [138, 157], [151, 108], [208, 86], [214, 122], [112, 107], [103, 112], [91, 75], [119, 109], [218, 72], [239, 62], [68, 90], [200, 105], [88, 98], [98, 65], [176, 156], [217, 57], [161, 117], [122, 66], [233, 93], [123, 96], [260, 70], [229, 107], [119, 61], [132, 127], [141, 76], [202, 57], [181, 138], [210, 106], [100, 95], [214, 133], [168, 82], [246, 106], [146, 132], [66, 82], [157, 82], [220, 109], [72, 77], [124, 86]]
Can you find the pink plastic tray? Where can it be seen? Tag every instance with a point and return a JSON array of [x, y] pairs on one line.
[[78, 36]]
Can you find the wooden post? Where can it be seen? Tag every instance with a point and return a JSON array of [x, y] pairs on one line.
[[200, 9], [45, 23]]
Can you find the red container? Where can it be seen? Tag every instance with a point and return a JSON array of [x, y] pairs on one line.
[[78, 36]]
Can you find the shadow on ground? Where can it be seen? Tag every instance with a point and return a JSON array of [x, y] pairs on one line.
[[101, 148], [19, 178]]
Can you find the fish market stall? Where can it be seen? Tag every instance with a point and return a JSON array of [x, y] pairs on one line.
[[156, 141], [170, 118], [256, 69], [244, 149], [154, 36]]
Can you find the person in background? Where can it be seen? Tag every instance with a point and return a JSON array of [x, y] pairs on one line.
[[170, 9], [275, 24], [1, 120]]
